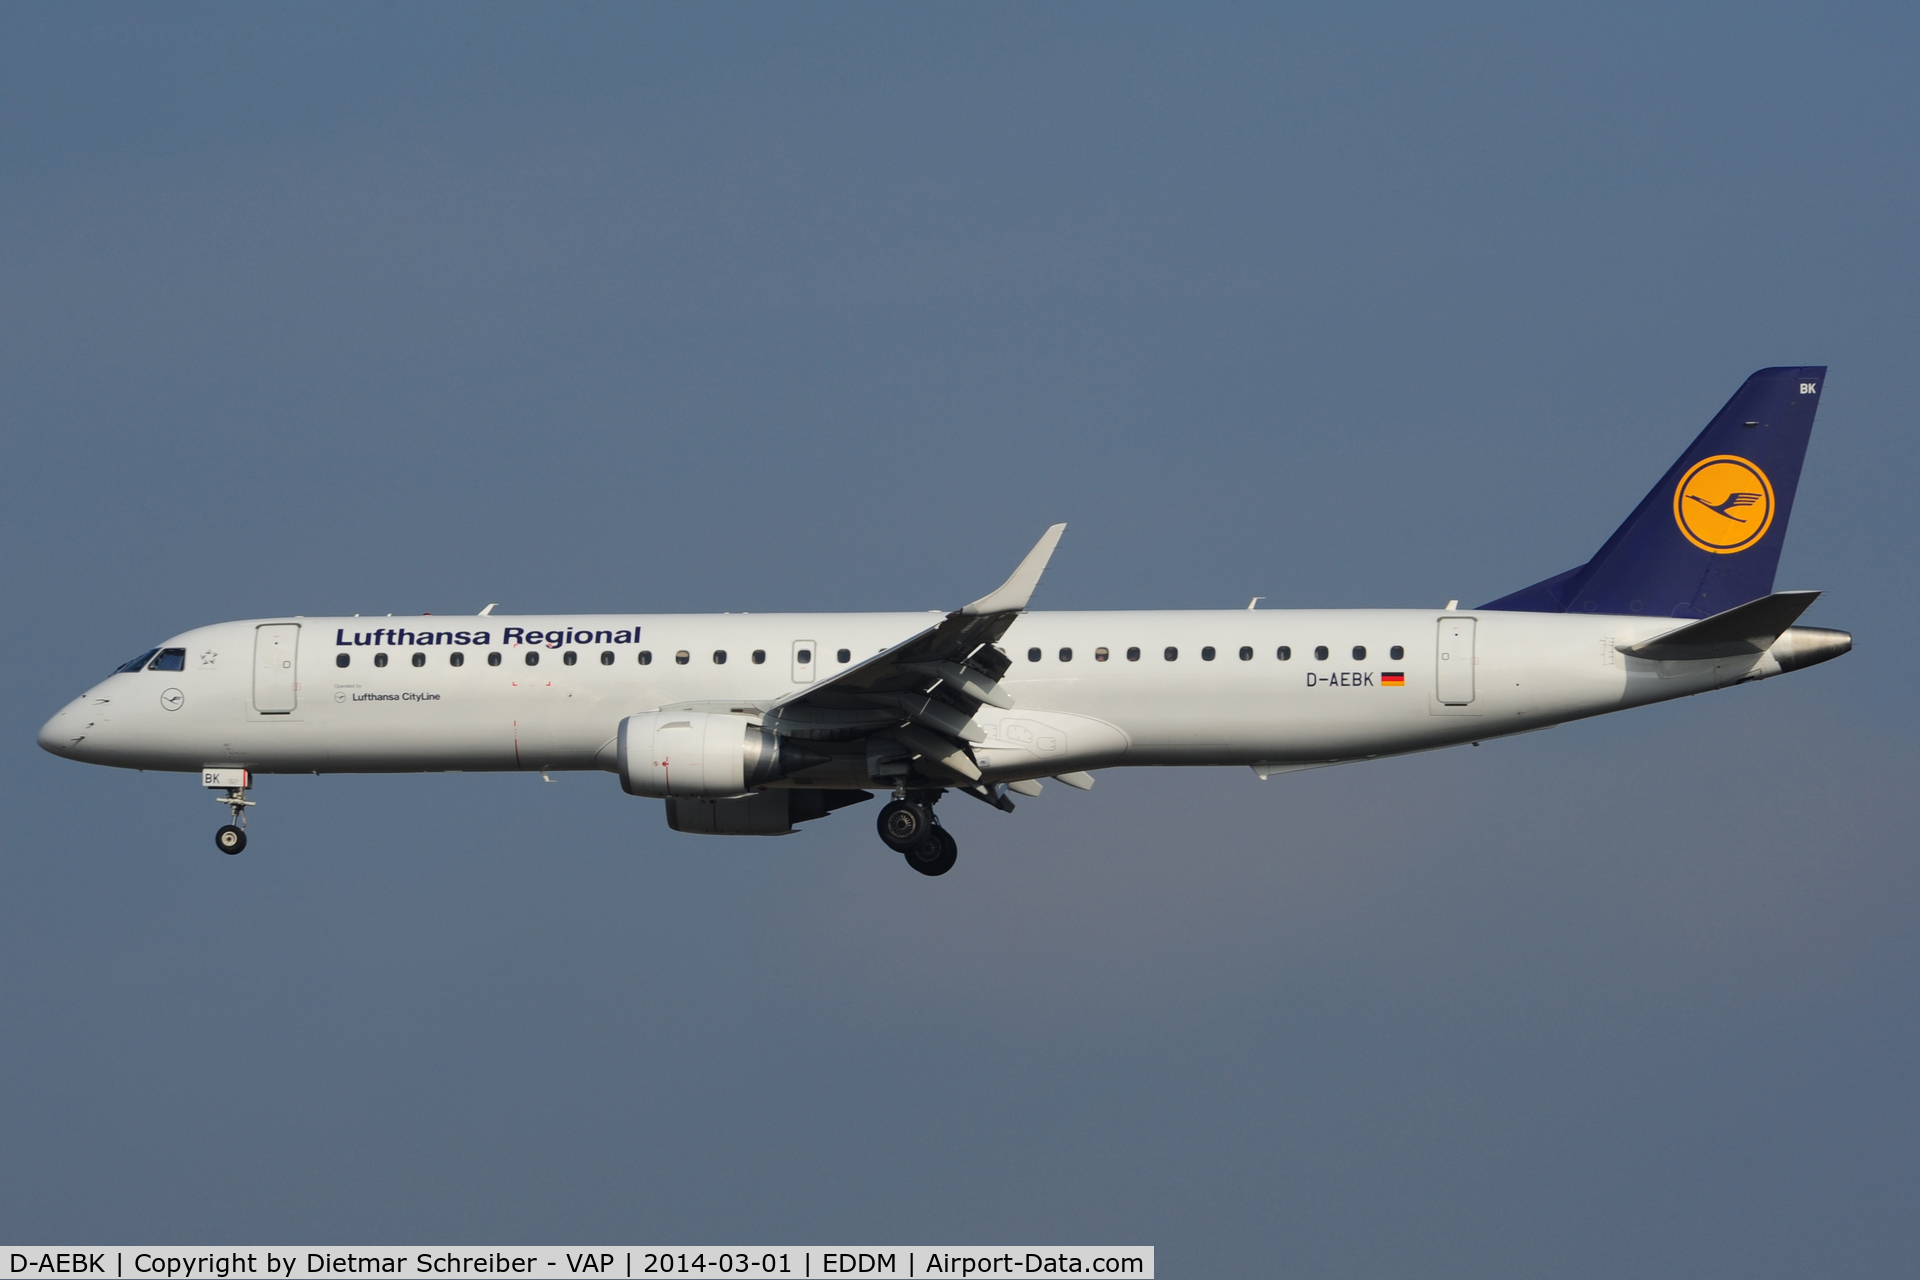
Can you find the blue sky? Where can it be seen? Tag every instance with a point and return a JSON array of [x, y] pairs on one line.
[[310, 310]]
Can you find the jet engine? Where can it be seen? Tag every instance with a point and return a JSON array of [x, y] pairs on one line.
[[707, 754]]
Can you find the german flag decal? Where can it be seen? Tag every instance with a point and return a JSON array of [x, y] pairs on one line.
[[1393, 679]]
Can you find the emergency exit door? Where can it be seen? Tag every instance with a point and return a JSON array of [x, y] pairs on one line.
[[805, 661], [1453, 663], [276, 668]]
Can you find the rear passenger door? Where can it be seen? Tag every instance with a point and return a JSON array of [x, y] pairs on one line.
[[1453, 662]]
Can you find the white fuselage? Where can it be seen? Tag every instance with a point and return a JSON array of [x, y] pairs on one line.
[[289, 707]]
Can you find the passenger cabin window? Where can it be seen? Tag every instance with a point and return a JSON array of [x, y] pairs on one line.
[[719, 657], [846, 655], [1100, 654], [342, 659], [170, 660], [1033, 655], [803, 656], [1246, 653], [456, 659], [138, 664], [646, 657], [1359, 653], [1206, 654], [1133, 654], [1284, 653], [570, 657], [682, 657], [419, 659], [1066, 655], [606, 657], [533, 657], [1171, 654], [379, 659], [493, 659], [1320, 653], [1396, 653], [759, 657]]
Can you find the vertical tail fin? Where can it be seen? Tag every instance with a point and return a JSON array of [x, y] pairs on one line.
[[1709, 535]]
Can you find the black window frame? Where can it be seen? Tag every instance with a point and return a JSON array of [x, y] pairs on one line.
[[132, 665]]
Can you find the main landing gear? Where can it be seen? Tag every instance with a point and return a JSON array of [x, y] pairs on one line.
[[231, 838], [908, 827]]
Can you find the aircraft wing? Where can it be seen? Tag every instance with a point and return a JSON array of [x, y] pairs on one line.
[[914, 703]]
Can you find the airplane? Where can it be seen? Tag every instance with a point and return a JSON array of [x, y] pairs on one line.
[[749, 724]]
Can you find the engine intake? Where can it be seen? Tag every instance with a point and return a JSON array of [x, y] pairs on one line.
[[707, 754]]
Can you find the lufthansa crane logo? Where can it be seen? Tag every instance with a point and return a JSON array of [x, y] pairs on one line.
[[1723, 504]]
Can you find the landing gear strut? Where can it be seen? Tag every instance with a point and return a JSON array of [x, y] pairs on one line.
[[231, 838], [908, 827]]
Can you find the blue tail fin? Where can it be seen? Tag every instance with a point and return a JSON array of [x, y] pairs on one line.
[[1708, 537]]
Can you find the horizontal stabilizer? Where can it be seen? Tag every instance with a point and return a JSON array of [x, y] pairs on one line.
[[1744, 629]]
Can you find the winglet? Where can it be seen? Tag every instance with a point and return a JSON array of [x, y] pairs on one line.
[[1014, 593]]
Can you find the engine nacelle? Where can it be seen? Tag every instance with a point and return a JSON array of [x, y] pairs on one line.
[[706, 754]]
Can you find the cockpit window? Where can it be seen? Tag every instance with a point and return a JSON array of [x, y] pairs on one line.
[[137, 663], [170, 660]]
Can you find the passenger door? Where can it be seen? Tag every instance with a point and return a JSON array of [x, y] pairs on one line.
[[1453, 662], [276, 668]]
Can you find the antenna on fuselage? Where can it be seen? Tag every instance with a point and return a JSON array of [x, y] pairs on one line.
[[489, 609], [1256, 600]]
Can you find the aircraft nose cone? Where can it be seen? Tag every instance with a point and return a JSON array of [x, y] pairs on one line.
[[59, 734], [50, 739]]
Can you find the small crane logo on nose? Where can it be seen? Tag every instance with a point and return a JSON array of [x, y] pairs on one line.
[[173, 699]]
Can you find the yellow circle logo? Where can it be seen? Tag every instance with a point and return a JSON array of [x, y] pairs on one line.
[[1723, 504]]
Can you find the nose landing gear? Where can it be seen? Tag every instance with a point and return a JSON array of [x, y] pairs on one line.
[[231, 838], [908, 827]]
